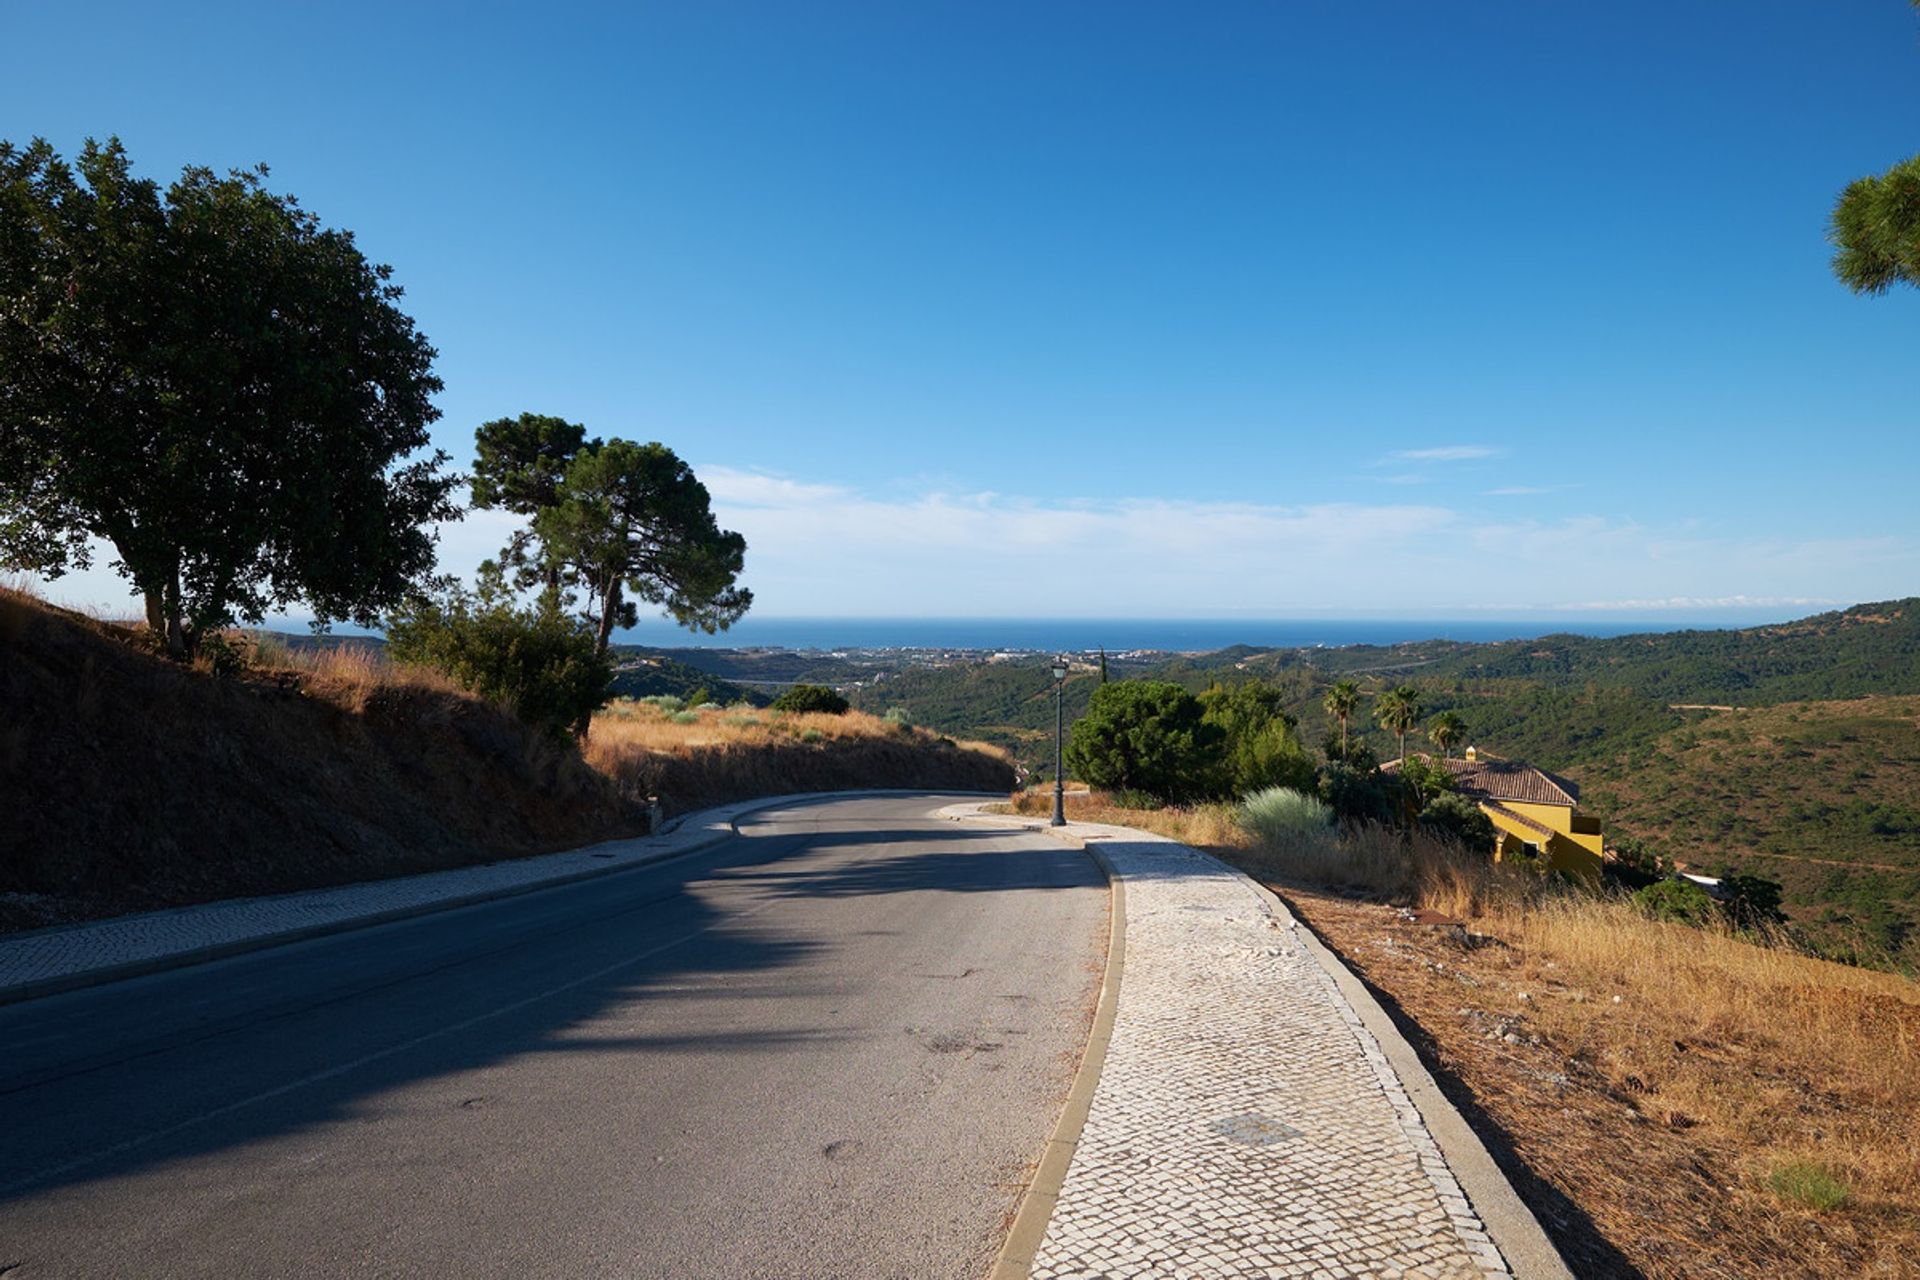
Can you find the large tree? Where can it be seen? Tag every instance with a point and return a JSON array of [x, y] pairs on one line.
[[1342, 700], [1145, 736], [1398, 710], [1876, 229], [519, 464], [633, 525], [218, 387]]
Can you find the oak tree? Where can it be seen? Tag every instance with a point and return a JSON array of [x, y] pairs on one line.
[[215, 385]]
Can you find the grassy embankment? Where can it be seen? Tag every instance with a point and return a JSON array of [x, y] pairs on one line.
[[711, 755], [1671, 1101], [130, 783]]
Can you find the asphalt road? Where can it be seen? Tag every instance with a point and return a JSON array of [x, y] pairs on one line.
[[830, 1046]]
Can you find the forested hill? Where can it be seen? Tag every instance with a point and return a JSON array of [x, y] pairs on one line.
[[1559, 700], [1867, 649]]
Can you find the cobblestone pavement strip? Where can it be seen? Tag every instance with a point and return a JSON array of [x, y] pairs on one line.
[[47, 960], [1245, 1122]]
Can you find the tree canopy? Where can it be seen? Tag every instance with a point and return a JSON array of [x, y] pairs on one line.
[[1876, 229], [613, 525], [1145, 736], [214, 384]]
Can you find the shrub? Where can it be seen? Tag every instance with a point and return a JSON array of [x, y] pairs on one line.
[[1454, 817], [1356, 794], [685, 717], [666, 702], [1148, 736], [1677, 901], [1805, 1183], [1753, 902], [812, 735], [813, 698], [1279, 812], [1260, 747], [899, 717], [1638, 863], [535, 661]]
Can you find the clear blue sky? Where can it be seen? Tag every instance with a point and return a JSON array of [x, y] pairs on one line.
[[1111, 308]]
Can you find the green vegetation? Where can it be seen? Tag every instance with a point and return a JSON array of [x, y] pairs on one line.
[[1818, 794], [215, 385], [1259, 746], [1876, 229], [1810, 1185], [613, 525], [1678, 902], [1146, 736], [804, 699], [534, 661], [1278, 813]]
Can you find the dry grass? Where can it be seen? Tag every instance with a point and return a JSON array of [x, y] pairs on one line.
[[1675, 1102], [714, 755], [132, 782]]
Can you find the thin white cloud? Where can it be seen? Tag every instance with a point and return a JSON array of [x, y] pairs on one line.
[[1693, 604], [1446, 453]]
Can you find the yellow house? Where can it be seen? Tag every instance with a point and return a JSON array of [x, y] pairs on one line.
[[1533, 812]]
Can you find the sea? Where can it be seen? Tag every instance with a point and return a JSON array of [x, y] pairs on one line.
[[1120, 635]]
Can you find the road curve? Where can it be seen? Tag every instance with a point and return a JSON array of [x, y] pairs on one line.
[[828, 1047]]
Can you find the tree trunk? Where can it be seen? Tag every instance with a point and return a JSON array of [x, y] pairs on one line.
[[609, 612], [166, 623]]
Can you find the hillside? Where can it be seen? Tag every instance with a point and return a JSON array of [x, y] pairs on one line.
[[131, 783], [1821, 796], [1803, 771]]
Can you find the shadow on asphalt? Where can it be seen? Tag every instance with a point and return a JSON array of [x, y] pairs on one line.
[[121, 1079]]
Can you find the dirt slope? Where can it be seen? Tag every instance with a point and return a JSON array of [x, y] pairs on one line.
[[128, 783]]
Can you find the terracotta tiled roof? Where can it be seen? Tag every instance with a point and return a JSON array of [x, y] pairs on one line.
[[1491, 778]]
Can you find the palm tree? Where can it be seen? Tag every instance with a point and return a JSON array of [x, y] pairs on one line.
[[1341, 701], [1398, 711], [1444, 730]]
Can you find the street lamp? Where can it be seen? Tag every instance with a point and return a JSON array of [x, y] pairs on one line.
[[1059, 778]]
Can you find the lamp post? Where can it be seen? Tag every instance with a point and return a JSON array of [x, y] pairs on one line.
[[1059, 778]]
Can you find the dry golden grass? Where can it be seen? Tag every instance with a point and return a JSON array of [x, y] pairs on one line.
[[714, 755], [1702, 1100]]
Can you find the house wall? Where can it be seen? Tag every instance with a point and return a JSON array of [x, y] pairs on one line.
[[1574, 843]]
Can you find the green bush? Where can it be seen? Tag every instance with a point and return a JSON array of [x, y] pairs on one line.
[[536, 661], [1454, 817], [1146, 736], [1260, 747], [816, 698], [899, 717], [666, 702], [1803, 1182], [1752, 901], [685, 717], [812, 735], [1356, 794], [1678, 901], [1277, 813]]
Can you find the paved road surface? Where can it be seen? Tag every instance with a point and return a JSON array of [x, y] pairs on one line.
[[828, 1047]]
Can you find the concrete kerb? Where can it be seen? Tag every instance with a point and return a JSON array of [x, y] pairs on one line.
[[1511, 1225], [721, 823]]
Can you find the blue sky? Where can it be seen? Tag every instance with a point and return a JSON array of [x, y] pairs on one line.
[[1109, 309]]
